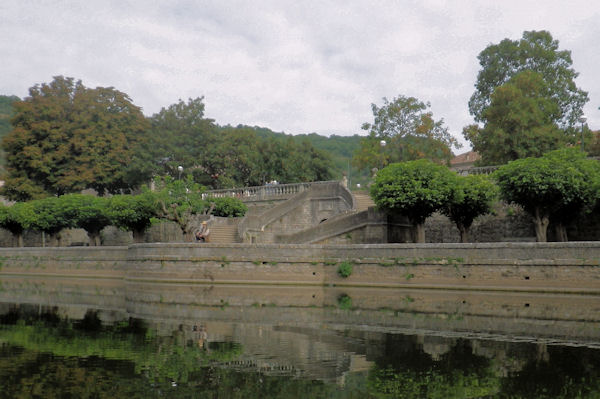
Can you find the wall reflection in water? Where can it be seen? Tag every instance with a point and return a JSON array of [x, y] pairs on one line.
[[177, 341]]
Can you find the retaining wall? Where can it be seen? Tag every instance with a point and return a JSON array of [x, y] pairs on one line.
[[537, 267]]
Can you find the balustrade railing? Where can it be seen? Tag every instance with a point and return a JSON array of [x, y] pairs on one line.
[[265, 192]]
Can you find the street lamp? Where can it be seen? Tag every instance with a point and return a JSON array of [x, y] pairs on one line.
[[582, 119], [180, 169]]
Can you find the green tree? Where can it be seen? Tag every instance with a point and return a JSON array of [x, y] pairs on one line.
[[17, 218], [67, 138], [87, 212], [538, 52], [415, 189], [7, 112], [133, 213], [561, 182], [520, 121], [409, 131], [473, 196], [179, 201], [51, 217]]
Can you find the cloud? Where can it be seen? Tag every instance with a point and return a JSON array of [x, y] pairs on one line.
[[291, 66]]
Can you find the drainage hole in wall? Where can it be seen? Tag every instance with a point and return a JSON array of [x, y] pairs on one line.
[[526, 305], [264, 263], [526, 277], [464, 276], [314, 273], [314, 295], [464, 301]]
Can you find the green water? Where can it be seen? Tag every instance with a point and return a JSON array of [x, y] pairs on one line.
[[45, 354]]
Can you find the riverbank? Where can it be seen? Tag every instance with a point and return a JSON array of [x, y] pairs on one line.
[[572, 267]]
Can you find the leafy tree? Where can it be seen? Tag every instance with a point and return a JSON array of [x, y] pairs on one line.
[[410, 132], [538, 52], [51, 217], [561, 182], [17, 218], [179, 201], [520, 121], [228, 207], [6, 113], [87, 212], [67, 137], [133, 213], [415, 189], [473, 196]]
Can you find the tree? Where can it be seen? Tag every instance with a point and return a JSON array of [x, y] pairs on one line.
[[520, 121], [415, 189], [87, 212], [410, 132], [51, 217], [67, 138], [178, 201], [538, 52], [17, 218], [561, 182], [473, 196], [133, 213]]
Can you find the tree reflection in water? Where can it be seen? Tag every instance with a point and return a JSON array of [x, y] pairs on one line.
[[44, 355]]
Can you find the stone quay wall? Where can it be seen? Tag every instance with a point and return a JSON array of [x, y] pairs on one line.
[[572, 267]]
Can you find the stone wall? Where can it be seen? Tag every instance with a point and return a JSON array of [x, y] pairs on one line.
[[531, 267]]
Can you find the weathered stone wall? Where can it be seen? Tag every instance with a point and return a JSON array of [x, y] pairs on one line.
[[541, 267]]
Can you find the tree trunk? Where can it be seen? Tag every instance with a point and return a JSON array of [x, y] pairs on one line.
[[541, 226], [561, 233], [94, 238], [464, 232], [138, 236], [20, 240], [419, 232]]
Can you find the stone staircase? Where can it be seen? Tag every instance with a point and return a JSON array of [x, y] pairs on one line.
[[223, 234], [362, 201]]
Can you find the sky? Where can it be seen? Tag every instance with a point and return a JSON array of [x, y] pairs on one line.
[[291, 66]]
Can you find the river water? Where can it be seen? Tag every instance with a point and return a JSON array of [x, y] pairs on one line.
[[97, 339]]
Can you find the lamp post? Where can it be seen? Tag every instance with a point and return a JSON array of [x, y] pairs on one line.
[[180, 169], [582, 119], [382, 144]]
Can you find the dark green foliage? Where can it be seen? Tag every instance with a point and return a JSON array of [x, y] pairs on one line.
[[345, 269], [228, 207], [67, 138], [410, 132], [224, 157], [538, 52], [473, 196], [560, 184], [7, 112], [88, 212], [133, 212], [415, 189], [344, 302], [520, 121]]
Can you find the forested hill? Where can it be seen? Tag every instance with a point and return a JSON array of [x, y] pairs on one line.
[[339, 148]]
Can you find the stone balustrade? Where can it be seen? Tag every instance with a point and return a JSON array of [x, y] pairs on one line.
[[266, 192]]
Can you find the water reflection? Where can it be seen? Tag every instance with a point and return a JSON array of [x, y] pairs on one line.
[[45, 354], [97, 338]]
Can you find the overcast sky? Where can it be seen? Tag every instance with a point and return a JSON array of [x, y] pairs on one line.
[[294, 66]]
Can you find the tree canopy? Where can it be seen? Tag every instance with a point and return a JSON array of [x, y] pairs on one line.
[[520, 121], [536, 51], [226, 156], [67, 137], [409, 131], [559, 184], [415, 189], [473, 196]]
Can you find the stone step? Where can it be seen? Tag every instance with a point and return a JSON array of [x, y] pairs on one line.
[[363, 201], [223, 234]]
